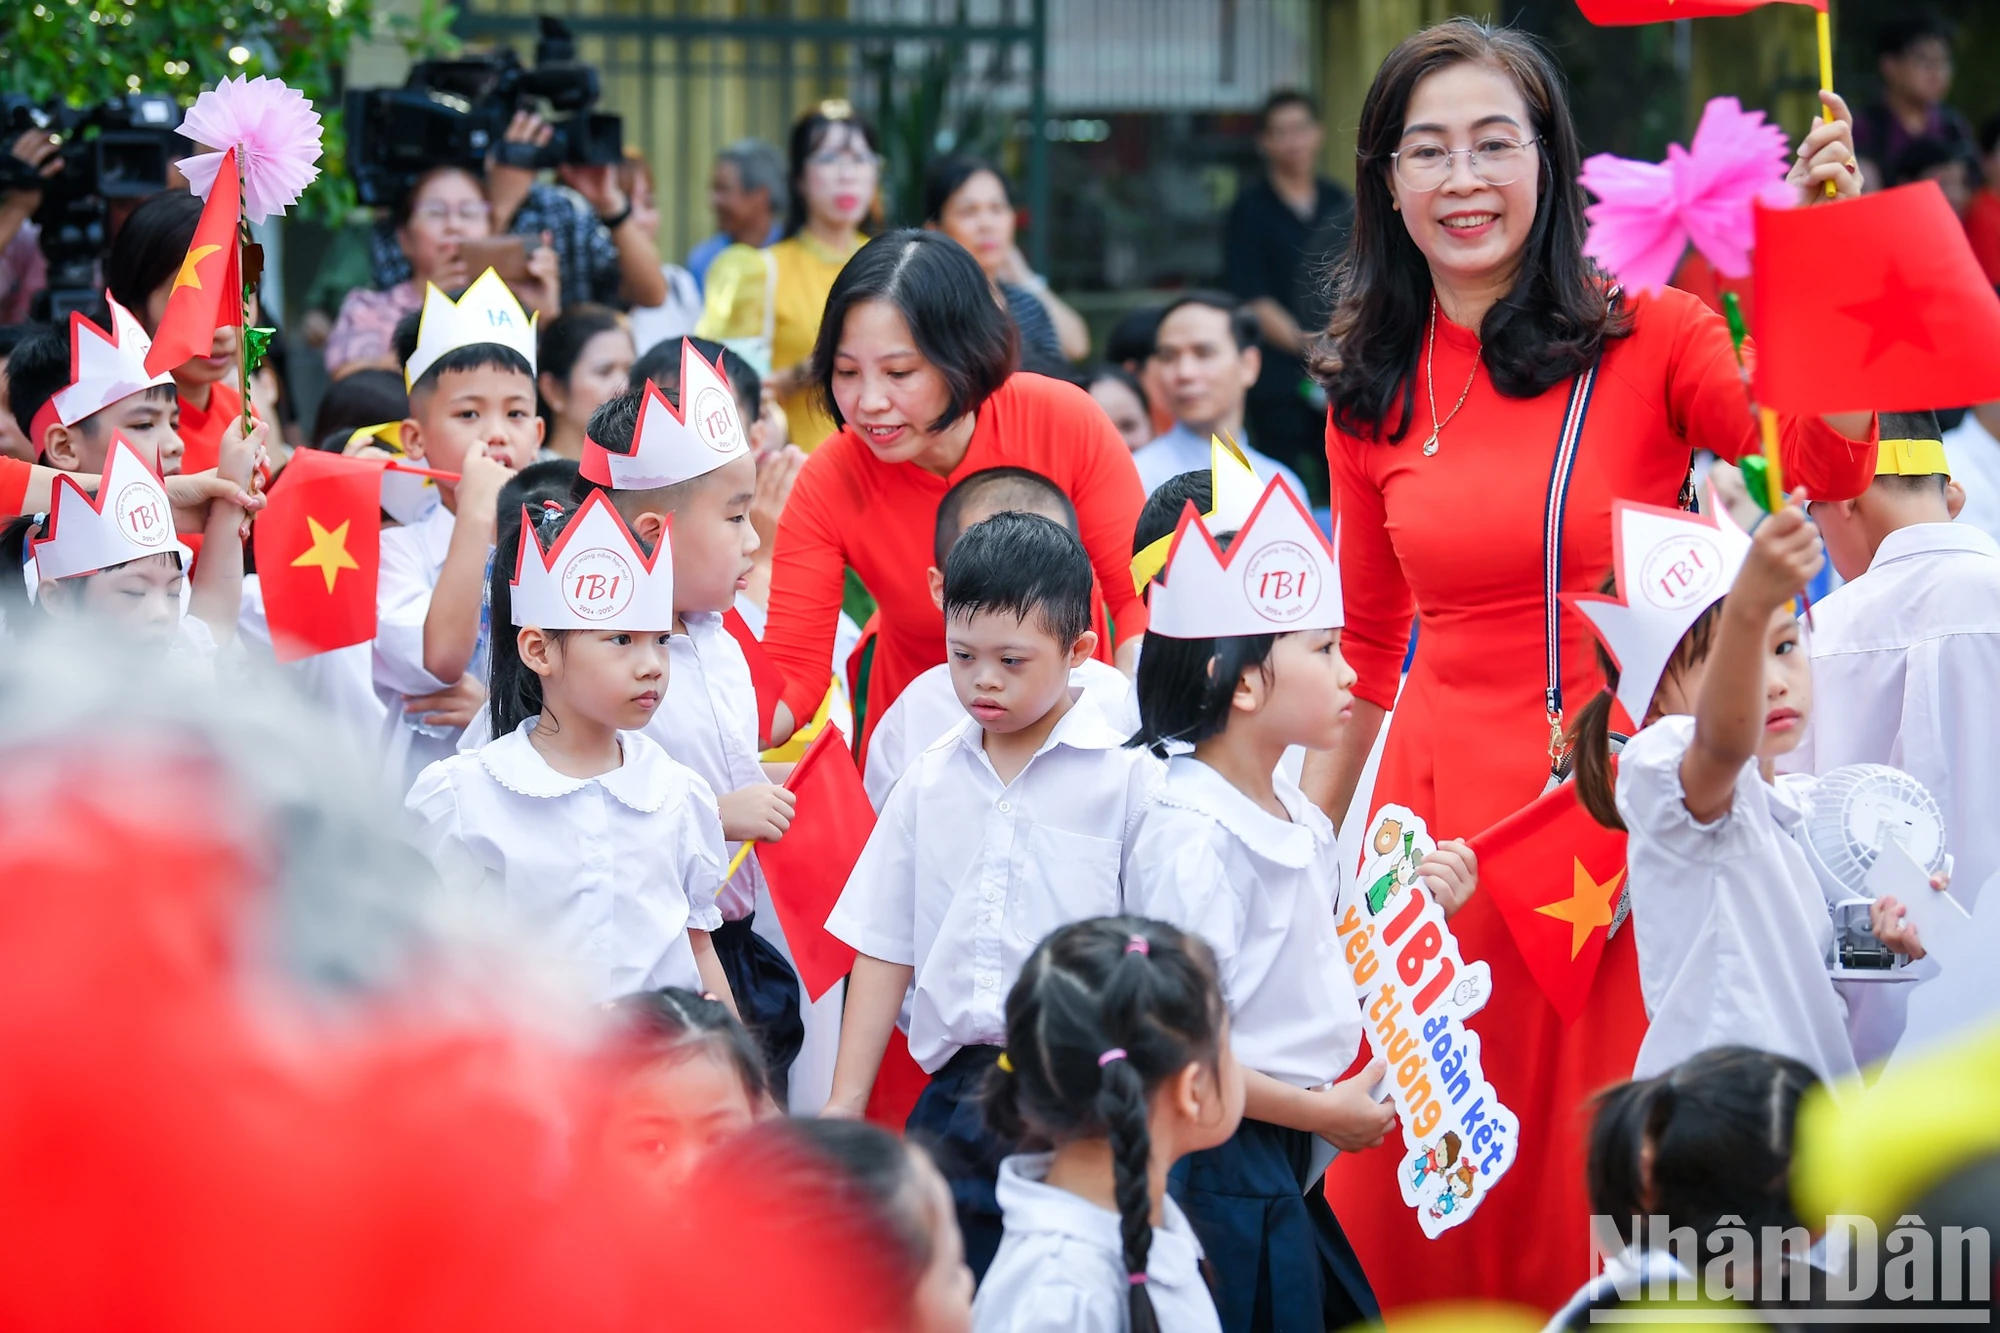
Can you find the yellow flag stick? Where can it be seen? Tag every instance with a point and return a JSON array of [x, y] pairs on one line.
[[1825, 25], [742, 854], [1774, 471]]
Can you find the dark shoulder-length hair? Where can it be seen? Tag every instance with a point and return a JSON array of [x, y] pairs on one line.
[[945, 298], [1547, 329]]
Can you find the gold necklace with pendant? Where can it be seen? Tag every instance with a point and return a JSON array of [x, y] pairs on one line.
[[1430, 383]]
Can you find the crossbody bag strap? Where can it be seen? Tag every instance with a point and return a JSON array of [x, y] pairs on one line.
[[1580, 390]]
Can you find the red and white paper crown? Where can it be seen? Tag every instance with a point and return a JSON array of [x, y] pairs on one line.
[[1672, 566], [128, 518], [1278, 575], [672, 444], [103, 368], [485, 312], [594, 577]]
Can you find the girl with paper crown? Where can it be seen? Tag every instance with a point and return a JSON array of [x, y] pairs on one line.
[[573, 819], [1705, 656]]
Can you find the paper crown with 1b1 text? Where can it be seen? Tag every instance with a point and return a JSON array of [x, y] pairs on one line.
[[1232, 493], [1671, 566], [673, 444], [1278, 575], [129, 518], [485, 312], [103, 368], [595, 576]]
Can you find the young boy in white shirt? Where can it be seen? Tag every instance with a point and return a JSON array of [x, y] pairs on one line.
[[928, 706], [676, 464], [1906, 654], [1009, 825], [471, 377]]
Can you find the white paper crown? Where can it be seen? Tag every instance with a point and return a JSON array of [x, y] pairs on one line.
[[594, 577], [1278, 575], [128, 518], [104, 367], [486, 312], [1672, 566], [672, 444], [1233, 489]]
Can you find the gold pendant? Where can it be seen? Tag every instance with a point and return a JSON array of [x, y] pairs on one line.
[[1431, 446]]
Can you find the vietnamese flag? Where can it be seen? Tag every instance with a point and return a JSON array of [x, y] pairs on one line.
[[764, 674], [1613, 12], [318, 545], [1873, 304], [1556, 875], [808, 867], [208, 291]]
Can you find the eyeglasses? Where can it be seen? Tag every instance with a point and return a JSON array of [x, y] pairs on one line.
[[844, 157], [1426, 166], [472, 210]]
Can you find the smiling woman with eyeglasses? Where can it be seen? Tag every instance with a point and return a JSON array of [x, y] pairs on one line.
[[765, 304], [1466, 314]]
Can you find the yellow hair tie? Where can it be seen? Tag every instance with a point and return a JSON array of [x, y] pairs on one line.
[[1912, 458], [1006, 1065]]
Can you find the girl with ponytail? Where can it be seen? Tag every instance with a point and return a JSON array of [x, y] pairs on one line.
[[1118, 1060]]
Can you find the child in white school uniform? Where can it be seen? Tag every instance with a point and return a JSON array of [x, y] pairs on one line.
[[678, 468], [928, 706], [471, 377], [1733, 926], [1241, 661], [1011, 824], [572, 821], [1906, 653], [1118, 1058]]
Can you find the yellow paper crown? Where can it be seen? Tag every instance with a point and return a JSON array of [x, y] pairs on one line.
[[1912, 458], [1232, 494], [389, 434]]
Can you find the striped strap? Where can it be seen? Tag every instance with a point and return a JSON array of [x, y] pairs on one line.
[[1552, 532]]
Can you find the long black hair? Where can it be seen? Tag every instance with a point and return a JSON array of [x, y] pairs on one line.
[[514, 693], [1105, 1011], [1548, 328], [150, 249], [670, 1022]]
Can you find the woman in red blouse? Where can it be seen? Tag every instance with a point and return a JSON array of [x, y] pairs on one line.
[[916, 358], [1467, 310]]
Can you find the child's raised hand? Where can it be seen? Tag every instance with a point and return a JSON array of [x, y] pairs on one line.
[[1784, 555], [1349, 1118], [1451, 873], [758, 813], [238, 452], [480, 478]]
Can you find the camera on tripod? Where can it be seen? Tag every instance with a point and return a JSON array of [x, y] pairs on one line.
[[119, 149], [455, 112]]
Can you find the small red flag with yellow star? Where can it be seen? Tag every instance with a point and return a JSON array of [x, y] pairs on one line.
[[1557, 876], [208, 290], [318, 545], [1874, 304]]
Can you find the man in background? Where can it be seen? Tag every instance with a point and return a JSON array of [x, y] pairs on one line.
[[1286, 231], [1205, 358], [1913, 56], [748, 192]]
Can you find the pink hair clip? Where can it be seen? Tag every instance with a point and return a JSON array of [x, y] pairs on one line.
[[1115, 1053], [1138, 944], [1135, 1279]]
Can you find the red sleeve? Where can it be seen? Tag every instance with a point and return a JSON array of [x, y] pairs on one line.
[[806, 585], [1108, 496], [14, 475], [1708, 405], [1373, 591]]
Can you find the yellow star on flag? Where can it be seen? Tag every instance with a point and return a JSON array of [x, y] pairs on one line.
[[329, 552], [188, 277], [1587, 907]]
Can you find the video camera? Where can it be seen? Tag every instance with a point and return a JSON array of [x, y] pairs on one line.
[[119, 149], [455, 112]]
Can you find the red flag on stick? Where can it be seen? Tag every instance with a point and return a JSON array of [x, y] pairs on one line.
[[208, 291], [1872, 304], [764, 674], [1555, 874], [1613, 12], [808, 867], [318, 545]]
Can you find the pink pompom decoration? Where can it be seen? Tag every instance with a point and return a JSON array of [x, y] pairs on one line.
[[275, 132], [1647, 213]]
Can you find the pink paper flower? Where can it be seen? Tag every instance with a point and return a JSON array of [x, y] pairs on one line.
[[276, 132], [1647, 213]]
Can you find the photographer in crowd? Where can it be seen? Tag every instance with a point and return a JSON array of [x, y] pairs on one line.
[[23, 270]]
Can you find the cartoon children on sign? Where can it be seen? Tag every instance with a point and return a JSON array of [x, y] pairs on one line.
[[1416, 990]]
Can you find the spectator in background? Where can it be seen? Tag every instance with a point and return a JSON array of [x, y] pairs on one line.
[[1118, 391], [1913, 56], [765, 305], [676, 316], [968, 200], [1982, 216], [1951, 166], [1130, 344], [1286, 231], [1207, 359], [365, 398], [13, 444], [581, 362], [23, 269], [748, 194]]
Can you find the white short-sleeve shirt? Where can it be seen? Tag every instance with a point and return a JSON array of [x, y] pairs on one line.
[[964, 874], [412, 557], [1061, 1264], [1732, 926], [614, 870], [928, 707], [1261, 891]]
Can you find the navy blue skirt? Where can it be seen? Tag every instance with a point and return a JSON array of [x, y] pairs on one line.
[[1277, 1257], [767, 996], [947, 1120]]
